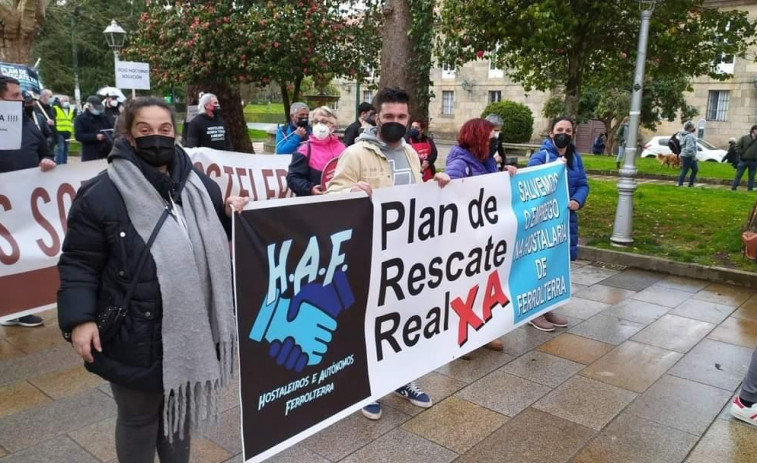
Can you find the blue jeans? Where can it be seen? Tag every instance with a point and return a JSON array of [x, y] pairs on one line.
[[686, 164], [61, 150], [744, 165]]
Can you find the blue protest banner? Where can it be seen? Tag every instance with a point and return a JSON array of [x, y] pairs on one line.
[[24, 74]]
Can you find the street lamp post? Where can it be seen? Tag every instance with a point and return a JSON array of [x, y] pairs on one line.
[[115, 35], [623, 229]]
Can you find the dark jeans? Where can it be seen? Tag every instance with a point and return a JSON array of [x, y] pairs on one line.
[[61, 150], [686, 164], [742, 166], [139, 429]]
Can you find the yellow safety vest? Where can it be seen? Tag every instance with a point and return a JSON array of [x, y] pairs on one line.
[[63, 121]]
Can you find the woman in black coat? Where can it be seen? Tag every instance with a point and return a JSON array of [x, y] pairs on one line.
[[171, 343]]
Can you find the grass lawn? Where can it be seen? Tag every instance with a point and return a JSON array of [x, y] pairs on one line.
[[698, 225], [257, 135], [714, 170], [273, 108]]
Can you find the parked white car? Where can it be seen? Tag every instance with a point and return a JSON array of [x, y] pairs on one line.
[[705, 151]]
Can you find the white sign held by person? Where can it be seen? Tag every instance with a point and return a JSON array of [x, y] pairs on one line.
[[135, 76], [11, 120]]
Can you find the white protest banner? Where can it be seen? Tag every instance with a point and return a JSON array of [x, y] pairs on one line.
[[343, 299], [258, 176], [11, 120], [34, 206], [33, 210], [133, 75]]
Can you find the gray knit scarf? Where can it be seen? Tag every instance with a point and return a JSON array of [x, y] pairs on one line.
[[194, 272]]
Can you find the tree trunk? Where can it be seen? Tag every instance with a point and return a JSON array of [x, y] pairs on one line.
[[230, 101], [286, 100], [573, 86], [295, 97], [18, 27], [418, 68], [395, 52], [612, 132]]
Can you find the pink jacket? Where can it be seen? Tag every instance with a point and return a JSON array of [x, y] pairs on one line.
[[321, 151]]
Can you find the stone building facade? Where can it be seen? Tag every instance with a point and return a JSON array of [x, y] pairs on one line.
[[459, 95], [726, 108]]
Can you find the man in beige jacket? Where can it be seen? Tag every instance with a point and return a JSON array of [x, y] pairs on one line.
[[380, 158]]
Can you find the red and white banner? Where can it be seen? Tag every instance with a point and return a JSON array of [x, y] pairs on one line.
[[34, 206]]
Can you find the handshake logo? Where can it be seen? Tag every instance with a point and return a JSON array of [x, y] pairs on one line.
[[299, 330]]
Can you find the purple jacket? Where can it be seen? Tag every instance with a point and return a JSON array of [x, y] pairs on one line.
[[461, 163]]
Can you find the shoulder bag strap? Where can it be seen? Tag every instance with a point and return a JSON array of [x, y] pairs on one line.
[[143, 258]]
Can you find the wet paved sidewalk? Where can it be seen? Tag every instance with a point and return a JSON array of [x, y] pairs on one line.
[[642, 375]]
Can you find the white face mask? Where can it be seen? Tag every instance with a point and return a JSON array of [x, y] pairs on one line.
[[495, 134], [321, 131]]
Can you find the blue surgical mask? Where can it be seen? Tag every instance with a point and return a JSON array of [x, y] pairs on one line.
[[65, 105], [95, 112]]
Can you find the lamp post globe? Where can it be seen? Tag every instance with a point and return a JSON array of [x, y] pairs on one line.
[[115, 36]]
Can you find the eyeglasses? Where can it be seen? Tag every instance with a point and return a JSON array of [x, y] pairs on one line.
[[325, 122]]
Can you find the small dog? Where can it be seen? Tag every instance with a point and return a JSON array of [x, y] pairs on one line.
[[670, 160]]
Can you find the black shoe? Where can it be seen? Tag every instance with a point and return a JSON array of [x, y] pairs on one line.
[[27, 321]]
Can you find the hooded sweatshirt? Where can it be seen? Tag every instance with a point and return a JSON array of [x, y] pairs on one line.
[[370, 160], [688, 144], [401, 171]]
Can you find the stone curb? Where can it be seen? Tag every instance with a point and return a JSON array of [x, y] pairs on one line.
[[681, 269], [614, 173]]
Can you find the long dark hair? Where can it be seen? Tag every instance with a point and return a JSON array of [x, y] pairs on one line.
[[571, 147], [133, 106]]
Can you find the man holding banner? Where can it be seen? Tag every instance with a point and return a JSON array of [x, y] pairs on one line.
[[383, 149], [32, 153]]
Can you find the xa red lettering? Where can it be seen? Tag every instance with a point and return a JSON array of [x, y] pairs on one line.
[[464, 310]]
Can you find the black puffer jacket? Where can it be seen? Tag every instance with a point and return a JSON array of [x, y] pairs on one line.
[[100, 254]]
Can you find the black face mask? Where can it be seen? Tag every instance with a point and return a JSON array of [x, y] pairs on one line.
[[29, 110], [561, 140], [392, 132], [217, 111], [156, 150]]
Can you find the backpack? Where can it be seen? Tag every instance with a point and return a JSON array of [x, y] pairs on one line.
[[674, 143]]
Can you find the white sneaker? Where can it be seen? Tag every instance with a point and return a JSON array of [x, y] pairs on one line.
[[744, 413]]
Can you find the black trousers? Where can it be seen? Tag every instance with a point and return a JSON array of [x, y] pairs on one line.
[[139, 429]]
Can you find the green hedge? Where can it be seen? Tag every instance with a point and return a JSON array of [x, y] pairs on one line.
[[518, 121]]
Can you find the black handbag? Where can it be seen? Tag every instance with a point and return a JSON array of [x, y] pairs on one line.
[[110, 318]]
